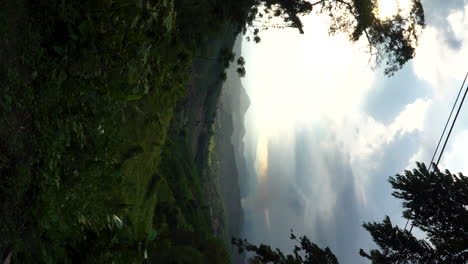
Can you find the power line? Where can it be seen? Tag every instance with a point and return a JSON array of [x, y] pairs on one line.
[[451, 112], [450, 131], [443, 132], [446, 140]]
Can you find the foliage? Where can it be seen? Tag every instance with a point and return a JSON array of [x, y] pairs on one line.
[[304, 252], [87, 97], [397, 245], [391, 41], [436, 203], [185, 233], [241, 66]]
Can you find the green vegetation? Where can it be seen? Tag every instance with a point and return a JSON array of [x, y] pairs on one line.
[[304, 252], [88, 170], [182, 211], [436, 203]]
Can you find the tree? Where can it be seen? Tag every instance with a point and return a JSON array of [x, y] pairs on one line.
[[304, 252], [241, 66], [397, 245], [436, 202], [390, 41]]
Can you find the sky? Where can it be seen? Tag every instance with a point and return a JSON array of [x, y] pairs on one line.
[[324, 131]]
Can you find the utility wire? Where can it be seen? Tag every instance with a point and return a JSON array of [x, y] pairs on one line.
[[451, 112], [441, 136], [443, 132], [450, 131]]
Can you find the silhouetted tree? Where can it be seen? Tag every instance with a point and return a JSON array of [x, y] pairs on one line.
[[436, 202], [397, 245], [304, 252], [391, 41]]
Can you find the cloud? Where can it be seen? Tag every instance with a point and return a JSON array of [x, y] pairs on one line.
[[442, 66], [335, 133], [436, 61], [455, 158], [304, 77], [316, 185], [389, 96], [296, 200], [313, 195], [365, 139], [436, 13]]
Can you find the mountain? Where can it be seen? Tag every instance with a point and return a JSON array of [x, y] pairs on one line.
[[229, 145]]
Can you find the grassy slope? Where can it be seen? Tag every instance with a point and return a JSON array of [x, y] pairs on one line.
[[78, 155]]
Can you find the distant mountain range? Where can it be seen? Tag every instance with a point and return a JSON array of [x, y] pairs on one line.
[[234, 100], [230, 131]]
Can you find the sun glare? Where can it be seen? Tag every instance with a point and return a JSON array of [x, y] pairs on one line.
[[386, 9], [262, 159]]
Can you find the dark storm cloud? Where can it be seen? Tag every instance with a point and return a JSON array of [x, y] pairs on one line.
[[436, 13], [391, 95]]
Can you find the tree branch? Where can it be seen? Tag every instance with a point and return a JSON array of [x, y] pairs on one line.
[[350, 7], [318, 2]]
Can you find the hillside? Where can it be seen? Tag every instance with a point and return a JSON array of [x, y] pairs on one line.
[[107, 108], [236, 102], [226, 156]]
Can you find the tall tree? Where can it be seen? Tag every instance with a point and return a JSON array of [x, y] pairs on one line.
[[304, 252], [397, 245], [391, 41], [437, 203]]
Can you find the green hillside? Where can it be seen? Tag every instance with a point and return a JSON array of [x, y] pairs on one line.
[[101, 157]]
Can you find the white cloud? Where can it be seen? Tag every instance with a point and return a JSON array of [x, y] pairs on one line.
[[444, 68], [417, 157], [298, 79], [436, 62], [455, 158], [371, 137], [411, 118], [458, 21]]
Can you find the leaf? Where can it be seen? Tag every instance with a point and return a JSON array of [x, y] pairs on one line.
[[84, 27], [117, 221], [139, 3], [62, 77], [152, 235], [168, 22], [132, 97], [135, 21]]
